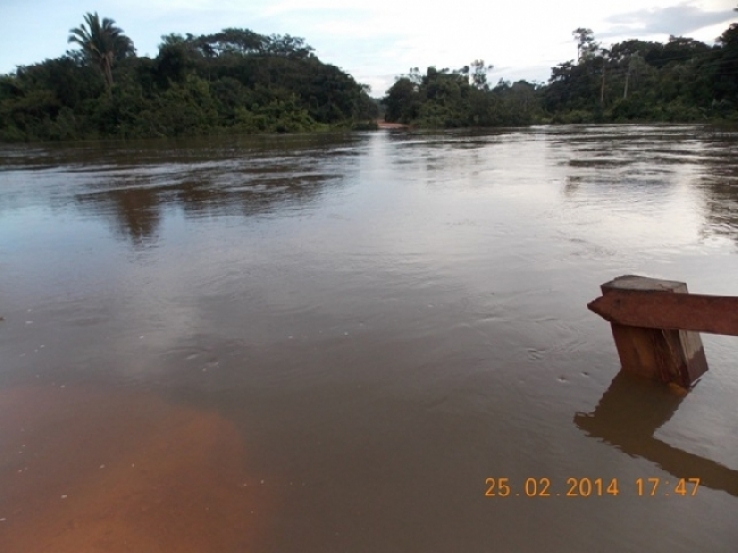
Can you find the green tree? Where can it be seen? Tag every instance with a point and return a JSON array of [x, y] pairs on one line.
[[586, 45], [102, 43], [402, 101], [479, 76]]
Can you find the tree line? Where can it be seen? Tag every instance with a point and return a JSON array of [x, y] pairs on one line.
[[233, 81], [461, 98], [240, 81], [682, 80]]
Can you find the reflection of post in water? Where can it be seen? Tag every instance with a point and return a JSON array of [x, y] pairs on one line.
[[628, 415]]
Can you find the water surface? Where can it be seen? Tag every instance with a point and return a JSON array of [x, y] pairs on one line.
[[329, 343]]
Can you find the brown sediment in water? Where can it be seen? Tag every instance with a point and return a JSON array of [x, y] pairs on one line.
[[85, 470], [382, 124]]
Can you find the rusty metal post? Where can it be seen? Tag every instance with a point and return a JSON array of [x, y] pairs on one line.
[[671, 356]]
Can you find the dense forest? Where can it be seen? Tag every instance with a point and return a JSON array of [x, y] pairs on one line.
[[240, 81], [233, 81], [683, 80]]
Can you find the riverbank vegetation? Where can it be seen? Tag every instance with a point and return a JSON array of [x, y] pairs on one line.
[[239, 81], [232, 81], [683, 80]]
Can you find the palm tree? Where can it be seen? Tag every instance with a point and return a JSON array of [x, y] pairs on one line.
[[102, 43]]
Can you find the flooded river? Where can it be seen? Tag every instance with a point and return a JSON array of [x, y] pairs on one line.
[[335, 343]]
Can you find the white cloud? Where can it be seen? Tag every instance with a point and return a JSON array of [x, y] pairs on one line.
[[678, 20]]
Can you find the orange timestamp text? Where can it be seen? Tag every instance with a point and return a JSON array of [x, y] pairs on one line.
[[590, 487]]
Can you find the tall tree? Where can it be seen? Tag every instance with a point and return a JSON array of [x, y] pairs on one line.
[[102, 43], [479, 76], [586, 44]]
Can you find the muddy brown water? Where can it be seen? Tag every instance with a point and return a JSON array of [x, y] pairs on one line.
[[332, 342]]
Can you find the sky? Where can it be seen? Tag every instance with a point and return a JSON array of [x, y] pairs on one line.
[[377, 40]]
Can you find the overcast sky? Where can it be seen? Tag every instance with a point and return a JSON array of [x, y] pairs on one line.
[[376, 40]]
